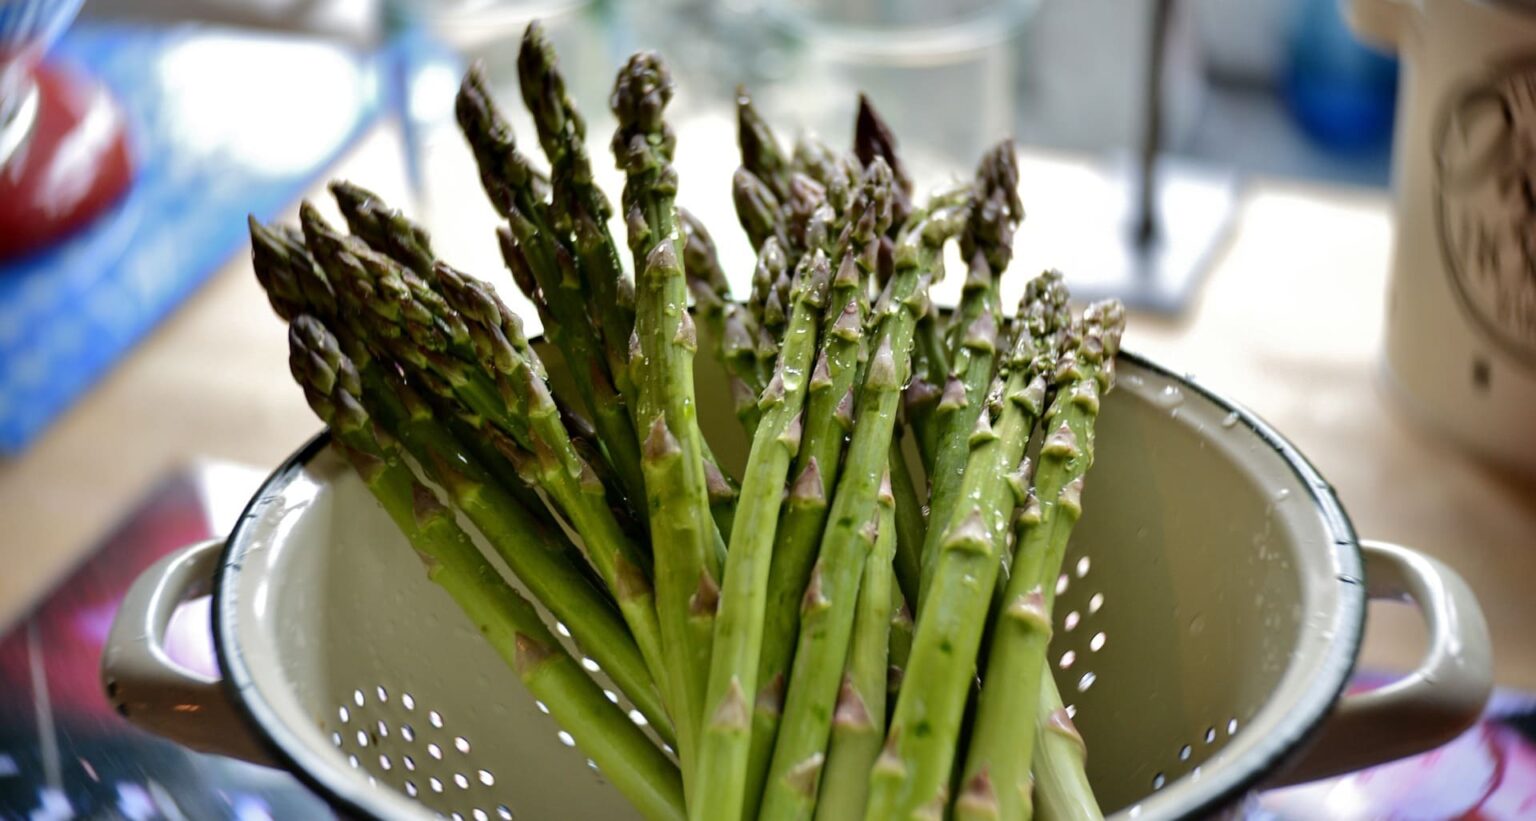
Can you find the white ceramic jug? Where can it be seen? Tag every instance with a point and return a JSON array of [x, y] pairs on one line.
[[1461, 306]]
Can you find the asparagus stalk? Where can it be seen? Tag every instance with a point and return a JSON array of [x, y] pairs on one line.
[[828, 420], [683, 536], [721, 782], [913, 773], [1059, 770], [452, 343], [509, 622], [858, 724], [562, 282], [997, 765], [987, 245], [827, 617]]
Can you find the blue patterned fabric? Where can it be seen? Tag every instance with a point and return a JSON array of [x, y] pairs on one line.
[[222, 124]]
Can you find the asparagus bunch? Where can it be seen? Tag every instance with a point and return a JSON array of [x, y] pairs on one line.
[[828, 605], [913, 773], [509, 622], [766, 632], [997, 766]]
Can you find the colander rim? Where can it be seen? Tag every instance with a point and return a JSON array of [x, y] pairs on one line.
[[1227, 785]]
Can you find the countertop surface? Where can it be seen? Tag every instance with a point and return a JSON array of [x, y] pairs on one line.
[[1288, 323]]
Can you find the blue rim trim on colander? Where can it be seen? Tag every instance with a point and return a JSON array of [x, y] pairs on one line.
[[1220, 789]]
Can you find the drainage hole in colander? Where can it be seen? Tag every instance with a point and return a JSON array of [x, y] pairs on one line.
[[1184, 752], [407, 732], [456, 817], [407, 701], [486, 778], [638, 718], [1082, 567], [357, 697], [461, 780], [410, 763], [612, 696], [362, 738], [1232, 726], [410, 788], [504, 812], [383, 729], [336, 739], [1210, 734], [436, 718], [461, 744], [1085, 682], [1067, 658], [1071, 710], [592, 765], [1061, 584], [544, 708], [590, 665], [1097, 642], [562, 629], [385, 764], [435, 784], [344, 714], [1070, 623], [1095, 602], [382, 693], [1158, 781], [479, 814], [435, 751], [566, 738], [352, 759]]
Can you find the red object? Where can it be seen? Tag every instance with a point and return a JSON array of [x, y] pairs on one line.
[[73, 164]]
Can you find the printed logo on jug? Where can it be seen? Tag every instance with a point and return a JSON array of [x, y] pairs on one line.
[[1485, 202]]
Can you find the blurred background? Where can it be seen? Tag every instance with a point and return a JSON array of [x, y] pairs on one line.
[[178, 118]]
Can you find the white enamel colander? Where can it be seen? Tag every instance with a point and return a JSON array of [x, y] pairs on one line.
[[1209, 617]]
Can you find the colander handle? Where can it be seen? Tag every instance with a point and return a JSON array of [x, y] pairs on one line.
[[1425, 708], [150, 689]]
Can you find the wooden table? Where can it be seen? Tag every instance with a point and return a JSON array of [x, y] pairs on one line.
[[1288, 323]]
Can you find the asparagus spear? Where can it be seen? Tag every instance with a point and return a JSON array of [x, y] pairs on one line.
[[721, 782], [997, 765], [872, 138], [446, 340], [758, 210], [987, 244], [505, 173], [827, 618], [912, 775], [508, 621], [578, 207], [687, 565], [828, 419], [385, 229], [760, 151], [858, 723]]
